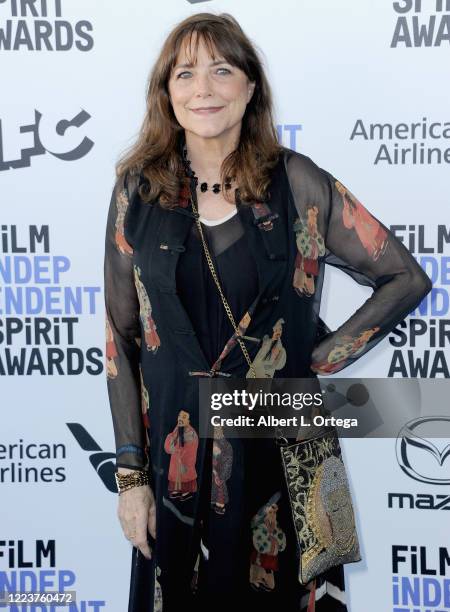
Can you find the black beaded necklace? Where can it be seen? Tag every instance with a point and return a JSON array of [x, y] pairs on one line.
[[216, 188]]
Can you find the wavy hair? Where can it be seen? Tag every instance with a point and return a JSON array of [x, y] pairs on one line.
[[156, 154]]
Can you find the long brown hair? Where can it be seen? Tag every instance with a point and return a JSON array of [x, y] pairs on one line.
[[156, 152]]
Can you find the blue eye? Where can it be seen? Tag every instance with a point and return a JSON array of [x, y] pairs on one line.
[[187, 72]]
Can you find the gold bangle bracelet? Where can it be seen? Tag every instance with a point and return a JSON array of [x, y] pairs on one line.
[[133, 479]]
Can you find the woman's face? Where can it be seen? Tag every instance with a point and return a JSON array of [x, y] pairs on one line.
[[209, 99]]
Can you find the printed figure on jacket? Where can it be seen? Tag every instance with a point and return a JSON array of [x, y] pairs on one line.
[[310, 245], [182, 444], [157, 596], [268, 540], [121, 243], [372, 236], [344, 347], [111, 350], [222, 462], [145, 401], [145, 405], [271, 355], [231, 343], [152, 340]]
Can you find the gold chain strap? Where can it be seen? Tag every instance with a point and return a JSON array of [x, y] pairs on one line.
[[224, 301]]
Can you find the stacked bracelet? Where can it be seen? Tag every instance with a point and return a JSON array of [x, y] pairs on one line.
[[133, 479]]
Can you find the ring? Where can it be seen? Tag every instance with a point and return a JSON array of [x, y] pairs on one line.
[[132, 535]]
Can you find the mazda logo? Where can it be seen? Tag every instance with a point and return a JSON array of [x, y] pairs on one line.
[[419, 457]]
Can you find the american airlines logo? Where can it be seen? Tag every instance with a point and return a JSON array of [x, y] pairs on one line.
[[102, 461]]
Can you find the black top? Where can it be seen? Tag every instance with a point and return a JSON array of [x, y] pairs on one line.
[[237, 274]]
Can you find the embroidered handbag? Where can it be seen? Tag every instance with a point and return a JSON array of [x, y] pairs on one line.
[[320, 503], [317, 484]]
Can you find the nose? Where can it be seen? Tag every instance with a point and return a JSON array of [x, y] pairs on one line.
[[202, 85]]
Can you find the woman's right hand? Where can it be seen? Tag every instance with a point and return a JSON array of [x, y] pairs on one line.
[[137, 513]]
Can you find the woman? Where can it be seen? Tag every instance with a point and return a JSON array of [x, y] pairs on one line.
[[211, 529]]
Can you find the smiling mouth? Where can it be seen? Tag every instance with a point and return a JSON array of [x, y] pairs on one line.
[[206, 110]]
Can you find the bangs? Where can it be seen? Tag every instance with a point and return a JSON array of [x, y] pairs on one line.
[[219, 44]]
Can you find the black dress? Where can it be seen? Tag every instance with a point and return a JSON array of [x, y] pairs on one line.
[[247, 552]]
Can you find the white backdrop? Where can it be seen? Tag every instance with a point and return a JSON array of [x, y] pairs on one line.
[[350, 78]]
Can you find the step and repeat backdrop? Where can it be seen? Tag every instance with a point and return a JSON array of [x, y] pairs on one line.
[[360, 86]]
